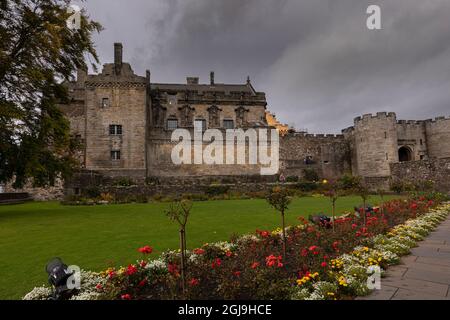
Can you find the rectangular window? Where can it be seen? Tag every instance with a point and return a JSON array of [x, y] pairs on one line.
[[228, 124], [115, 155], [421, 142], [172, 124], [200, 125], [385, 135], [115, 129], [105, 103]]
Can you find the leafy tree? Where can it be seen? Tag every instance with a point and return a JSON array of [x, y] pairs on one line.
[[38, 54], [363, 191], [279, 199], [332, 189], [179, 211]]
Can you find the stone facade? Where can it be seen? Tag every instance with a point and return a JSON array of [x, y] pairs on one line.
[[125, 122]]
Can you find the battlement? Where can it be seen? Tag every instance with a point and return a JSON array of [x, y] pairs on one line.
[[378, 115], [437, 119], [318, 136]]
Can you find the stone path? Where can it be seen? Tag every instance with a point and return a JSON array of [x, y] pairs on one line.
[[423, 275]]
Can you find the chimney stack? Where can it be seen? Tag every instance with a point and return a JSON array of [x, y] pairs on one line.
[[211, 76], [118, 52]]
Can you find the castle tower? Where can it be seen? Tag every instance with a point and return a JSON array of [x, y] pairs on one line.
[[438, 137], [375, 143]]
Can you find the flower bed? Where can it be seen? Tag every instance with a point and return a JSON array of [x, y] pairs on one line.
[[320, 263]]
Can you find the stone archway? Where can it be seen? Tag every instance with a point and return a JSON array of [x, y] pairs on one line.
[[404, 154]]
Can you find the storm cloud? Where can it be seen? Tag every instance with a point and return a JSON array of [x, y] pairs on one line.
[[316, 60]]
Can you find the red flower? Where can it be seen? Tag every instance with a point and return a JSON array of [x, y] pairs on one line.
[[194, 282], [255, 265], [125, 297], [354, 225], [216, 263], [304, 252], [131, 269], [111, 274], [99, 286], [263, 234], [323, 264], [229, 253], [414, 206], [173, 269], [143, 264], [142, 282], [199, 251], [146, 250], [237, 273], [272, 260]]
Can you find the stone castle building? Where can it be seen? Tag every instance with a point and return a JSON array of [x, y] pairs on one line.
[[125, 121]]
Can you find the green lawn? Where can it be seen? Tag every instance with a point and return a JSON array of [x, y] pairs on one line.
[[94, 237]]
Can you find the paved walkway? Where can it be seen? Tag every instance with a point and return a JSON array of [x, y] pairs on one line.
[[423, 275]]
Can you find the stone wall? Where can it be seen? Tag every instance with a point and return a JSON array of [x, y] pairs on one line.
[[49, 193], [437, 170], [328, 155]]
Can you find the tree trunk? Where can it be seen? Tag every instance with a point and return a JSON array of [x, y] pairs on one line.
[[183, 282], [284, 237], [334, 212]]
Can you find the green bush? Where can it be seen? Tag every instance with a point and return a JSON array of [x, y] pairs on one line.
[[310, 175], [306, 186], [215, 190], [348, 182], [292, 179], [92, 192], [124, 182]]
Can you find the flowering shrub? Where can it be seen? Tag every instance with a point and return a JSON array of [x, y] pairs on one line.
[[320, 263]]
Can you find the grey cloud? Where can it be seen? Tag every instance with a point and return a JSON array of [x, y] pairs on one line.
[[315, 59]]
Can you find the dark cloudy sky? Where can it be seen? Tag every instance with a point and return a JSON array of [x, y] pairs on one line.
[[316, 60]]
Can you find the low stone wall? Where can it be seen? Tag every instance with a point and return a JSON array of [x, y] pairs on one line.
[[436, 170], [50, 193]]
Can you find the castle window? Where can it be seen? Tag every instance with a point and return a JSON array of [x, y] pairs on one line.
[[115, 130], [172, 124], [228, 124], [421, 142], [105, 103], [200, 125], [387, 157], [115, 155], [385, 135]]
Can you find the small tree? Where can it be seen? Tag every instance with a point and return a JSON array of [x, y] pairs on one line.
[[331, 190], [381, 192], [279, 199], [363, 191], [179, 211]]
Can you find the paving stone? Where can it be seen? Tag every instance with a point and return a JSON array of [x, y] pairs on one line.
[[427, 287], [403, 294], [427, 276], [436, 261]]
